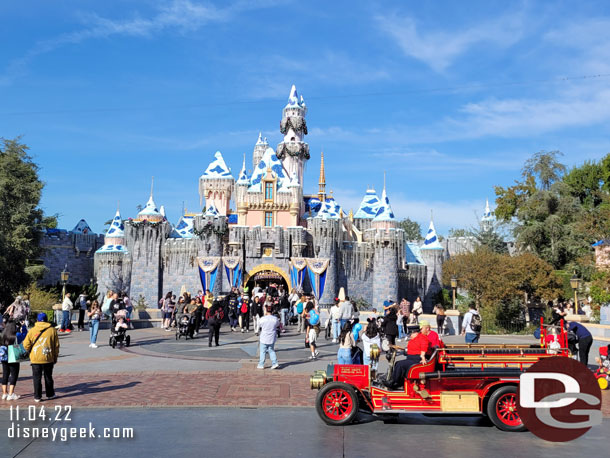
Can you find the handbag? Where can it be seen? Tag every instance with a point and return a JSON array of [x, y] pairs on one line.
[[17, 354]]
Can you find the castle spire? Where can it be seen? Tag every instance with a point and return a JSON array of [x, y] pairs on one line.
[[322, 182], [152, 183]]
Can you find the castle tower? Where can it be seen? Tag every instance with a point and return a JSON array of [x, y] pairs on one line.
[[144, 236], [327, 237], [293, 151], [211, 228], [387, 242], [112, 261], [216, 185], [259, 150], [368, 209], [488, 219], [322, 182], [241, 188], [433, 255]]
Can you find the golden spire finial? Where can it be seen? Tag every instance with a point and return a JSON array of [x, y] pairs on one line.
[[322, 183], [351, 214]]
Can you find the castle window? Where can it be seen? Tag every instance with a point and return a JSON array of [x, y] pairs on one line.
[[268, 219], [269, 190]]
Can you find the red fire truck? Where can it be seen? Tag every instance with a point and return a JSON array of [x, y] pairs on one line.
[[457, 379]]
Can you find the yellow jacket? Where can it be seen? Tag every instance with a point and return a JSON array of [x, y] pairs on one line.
[[46, 348]]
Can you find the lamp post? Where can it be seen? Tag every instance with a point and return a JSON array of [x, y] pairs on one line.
[[454, 281], [574, 283], [65, 276]]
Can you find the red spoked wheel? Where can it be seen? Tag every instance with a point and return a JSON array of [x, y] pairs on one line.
[[337, 403], [502, 409]]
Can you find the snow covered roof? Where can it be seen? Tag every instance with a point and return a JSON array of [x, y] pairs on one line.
[[82, 228], [294, 100], [384, 212], [269, 160], [184, 228], [369, 205], [217, 168], [211, 211], [329, 209], [116, 229], [487, 215], [413, 254], [261, 140], [150, 210], [113, 249], [244, 179], [431, 241]]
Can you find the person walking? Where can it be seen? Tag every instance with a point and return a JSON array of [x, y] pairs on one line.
[[299, 306], [389, 326], [10, 371], [347, 310], [256, 311], [268, 326], [198, 313], [81, 302], [94, 315], [335, 320], [66, 309], [439, 310], [244, 313], [42, 343], [214, 315], [471, 326], [167, 309], [128, 309]]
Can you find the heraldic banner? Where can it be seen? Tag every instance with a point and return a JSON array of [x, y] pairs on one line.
[[233, 269], [316, 267], [298, 270], [208, 271]]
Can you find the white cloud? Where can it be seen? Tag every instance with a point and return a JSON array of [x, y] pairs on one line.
[[439, 49], [179, 15]]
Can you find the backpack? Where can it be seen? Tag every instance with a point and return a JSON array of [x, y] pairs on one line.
[[314, 318], [244, 307], [219, 314], [475, 323]]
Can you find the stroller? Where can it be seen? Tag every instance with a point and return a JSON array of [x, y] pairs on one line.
[[602, 374], [185, 326], [119, 337]]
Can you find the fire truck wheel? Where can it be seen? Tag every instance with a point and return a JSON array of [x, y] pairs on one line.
[[502, 409], [337, 404]]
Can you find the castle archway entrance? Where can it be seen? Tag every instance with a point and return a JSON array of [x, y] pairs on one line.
[[265, 274]]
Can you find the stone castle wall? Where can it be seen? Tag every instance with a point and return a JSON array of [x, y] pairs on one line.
[[74, 250]]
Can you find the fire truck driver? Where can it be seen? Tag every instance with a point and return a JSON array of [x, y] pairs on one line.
[[417, 350]]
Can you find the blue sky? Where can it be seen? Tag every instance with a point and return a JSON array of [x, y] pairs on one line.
[[449, 98]]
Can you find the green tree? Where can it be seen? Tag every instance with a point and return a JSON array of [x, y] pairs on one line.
[[490, 238], [455, 233], [545, 166], [23, 221], [585, 183], [412, 229]]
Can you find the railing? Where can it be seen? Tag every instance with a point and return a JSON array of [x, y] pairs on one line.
[[491, 326]]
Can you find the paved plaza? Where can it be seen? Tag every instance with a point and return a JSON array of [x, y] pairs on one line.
[[192, 393]]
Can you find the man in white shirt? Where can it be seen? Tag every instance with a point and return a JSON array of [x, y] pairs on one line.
[[66, 308], [347, 311], [268, 326], [335, 319], [470, 330]]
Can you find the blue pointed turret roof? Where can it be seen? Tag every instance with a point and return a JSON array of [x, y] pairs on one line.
[[294, 100], [431, 241], [261, 140], [184, 228], [413, 254], [150, 209], [269, 160], [384, 212], [369, 205], [117, 228], [211, 211], [217, 168], [243, 178], [82, 228]]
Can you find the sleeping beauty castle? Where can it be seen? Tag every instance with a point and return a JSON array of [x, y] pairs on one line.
[[262, 227]]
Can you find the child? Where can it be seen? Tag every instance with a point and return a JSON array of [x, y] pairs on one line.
[[313, 328], [121, 324]]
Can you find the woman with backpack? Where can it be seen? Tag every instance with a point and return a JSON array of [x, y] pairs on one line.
[[256, 310], [244, 313], [214, 315], [10, 371], [471, 326]]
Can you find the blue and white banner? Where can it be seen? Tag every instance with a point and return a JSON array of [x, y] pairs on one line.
[[233, 269], [298, 270], [208, 271], [317, 275]]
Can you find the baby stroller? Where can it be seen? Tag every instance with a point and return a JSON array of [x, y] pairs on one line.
[[602, 374], [119, 337], [185, 326]]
